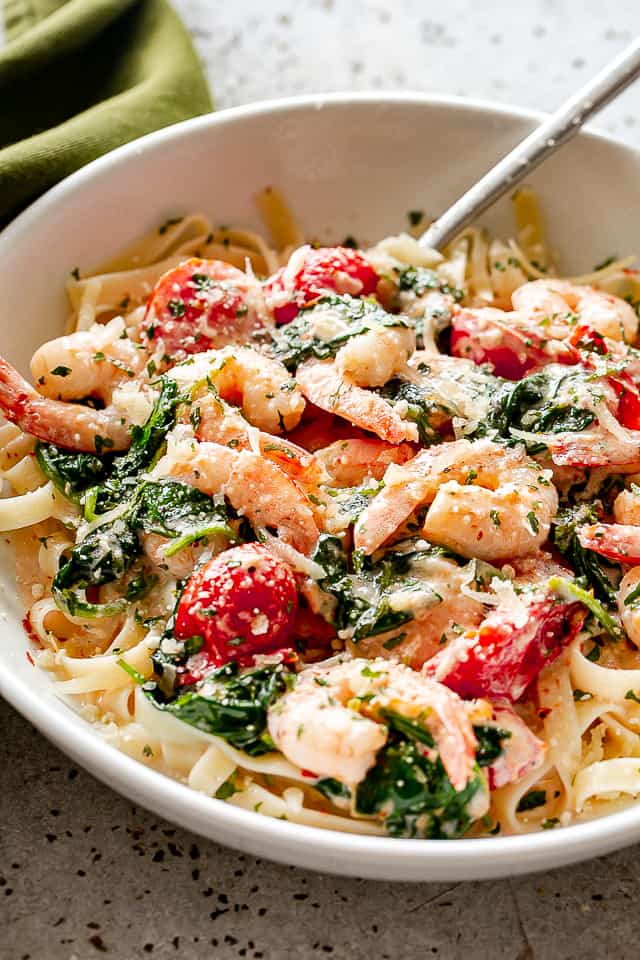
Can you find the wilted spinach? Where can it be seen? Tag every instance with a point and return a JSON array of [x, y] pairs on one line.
[[421, 409], [411, 791], [421, 280], [166, 507], [72, 473], [535, 404], [489, 743], [236, 709], [296, 342], [599, 574], [354, 581], [146, 441]]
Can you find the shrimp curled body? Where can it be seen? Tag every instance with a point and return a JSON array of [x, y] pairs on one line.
[[100, 363], [332, 721], [485, 501], [87, 363], [254, 487], [259, 385], [69, 425], [323, 384], [555, 300]]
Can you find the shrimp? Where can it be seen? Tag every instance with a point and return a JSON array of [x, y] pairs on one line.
[[619, 541], [101, 363], [616, 541], [259, 385], [593, 447], [219, 423], [486, 501], [254, 486], [626, 506], [523, 752], [558, 299], [87, 363], [323, 384], [350, 462], [70, 425], [332, 722], [373, 358]]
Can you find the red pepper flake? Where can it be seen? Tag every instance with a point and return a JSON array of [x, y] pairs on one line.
[[27, 626], [30, 658], [308, 773], [543, 714]]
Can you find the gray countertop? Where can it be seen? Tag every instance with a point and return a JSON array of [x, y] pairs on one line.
[[84, 873]]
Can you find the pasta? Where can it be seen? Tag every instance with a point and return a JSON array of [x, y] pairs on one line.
[[346, 537]]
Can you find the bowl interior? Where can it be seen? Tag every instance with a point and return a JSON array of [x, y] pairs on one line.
[[346, 165]]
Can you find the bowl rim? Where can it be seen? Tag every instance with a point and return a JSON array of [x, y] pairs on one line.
[[166, 796]]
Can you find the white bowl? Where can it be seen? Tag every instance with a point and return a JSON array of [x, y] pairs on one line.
[[347, 164]]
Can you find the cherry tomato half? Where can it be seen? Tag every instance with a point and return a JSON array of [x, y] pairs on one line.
[[323, 271], [241, 603]]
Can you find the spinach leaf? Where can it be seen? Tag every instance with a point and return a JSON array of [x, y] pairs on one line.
[[362, 586], [147, 441], [544, 402], [420, 408], [104, 556], [296, 341], [352, 501], [333, 790], [175, 509], [362, 617], [412, 791], [575, 590], [167, 507], [531, 800], [332, 557], [599, 574], [71, 473], [489, 743], [235, 709]]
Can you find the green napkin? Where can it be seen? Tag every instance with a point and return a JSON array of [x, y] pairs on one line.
[[80, 77]]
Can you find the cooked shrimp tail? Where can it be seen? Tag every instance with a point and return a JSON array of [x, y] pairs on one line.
[[324, 385], [69, 425]]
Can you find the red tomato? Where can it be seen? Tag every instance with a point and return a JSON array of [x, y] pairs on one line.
[[241, 602], [202, 304], [628, 413], [325, 270], [501, 659], [585, 340], [478, 336]]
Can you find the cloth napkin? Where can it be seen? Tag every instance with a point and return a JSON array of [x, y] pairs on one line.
[[80, 77]]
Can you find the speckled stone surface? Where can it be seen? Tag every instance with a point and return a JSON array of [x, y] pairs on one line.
[[83, 873], [534, 53]]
